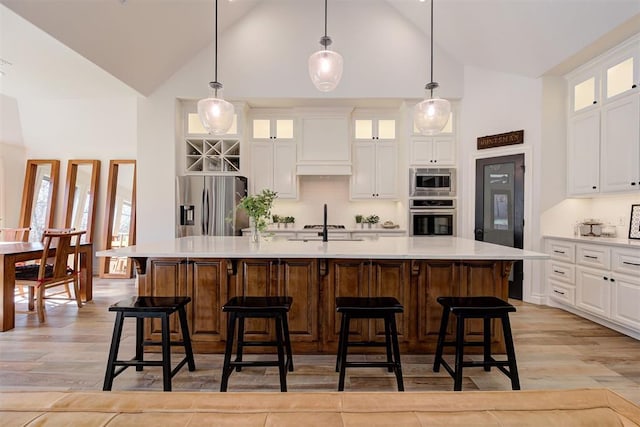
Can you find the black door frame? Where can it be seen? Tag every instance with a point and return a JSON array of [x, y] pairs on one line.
[[516, 286]]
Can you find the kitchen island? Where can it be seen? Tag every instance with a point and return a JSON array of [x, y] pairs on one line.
[[414, 270]]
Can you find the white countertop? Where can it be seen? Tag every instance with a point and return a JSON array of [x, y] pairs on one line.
[[609, 241], [400, 247], [379, 229]]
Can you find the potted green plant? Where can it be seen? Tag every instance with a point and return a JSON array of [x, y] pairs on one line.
[[288, 220], [359, 220], [372, 219], [258, 208], [276, 219]]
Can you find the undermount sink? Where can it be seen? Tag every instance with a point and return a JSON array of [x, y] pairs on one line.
[[297, 239]]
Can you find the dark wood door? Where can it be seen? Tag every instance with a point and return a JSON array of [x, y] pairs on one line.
[[391, 279], [436, 279], [298, 278], [208, 289], [165, 277], [499, 215]]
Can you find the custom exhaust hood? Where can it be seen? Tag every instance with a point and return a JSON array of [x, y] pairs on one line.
[[324, 148]]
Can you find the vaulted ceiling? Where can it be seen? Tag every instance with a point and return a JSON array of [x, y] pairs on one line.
[[143, 42]]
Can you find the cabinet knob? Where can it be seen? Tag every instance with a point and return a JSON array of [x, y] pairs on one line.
[[595, 102], [633, 183], [594, 187], [612, 279], [633, 86], [605, 278]]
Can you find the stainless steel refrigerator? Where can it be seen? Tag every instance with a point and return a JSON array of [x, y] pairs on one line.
[[206, 205]]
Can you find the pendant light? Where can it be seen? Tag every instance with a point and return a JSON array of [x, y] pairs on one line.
[[432, 114], [325, 66], [215, 113]]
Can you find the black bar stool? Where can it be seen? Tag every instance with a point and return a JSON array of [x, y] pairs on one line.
[[369, 308], [240, 308], [149, 307], [480, 307]]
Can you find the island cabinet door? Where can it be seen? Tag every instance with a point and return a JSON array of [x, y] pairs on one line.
[[392, 279], [207, 287], [345, 278], [256, 277], [435, 279], [485, 278], [165, 277], [298, 278]]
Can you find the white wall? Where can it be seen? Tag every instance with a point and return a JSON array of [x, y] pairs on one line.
[[88, 128], [315, 191], [496, 103], [397, 67], [12, 162]]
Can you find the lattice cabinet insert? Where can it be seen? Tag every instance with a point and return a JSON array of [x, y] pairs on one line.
[[212, 155]]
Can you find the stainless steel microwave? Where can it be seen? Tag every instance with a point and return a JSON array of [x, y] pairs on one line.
[[432, 182]]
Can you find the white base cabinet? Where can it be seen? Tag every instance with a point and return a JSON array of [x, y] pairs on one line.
[[596, 280]]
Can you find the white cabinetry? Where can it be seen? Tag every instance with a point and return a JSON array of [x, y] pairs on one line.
[[374, 128], [621, 145], [273, 155], [324, 143], [375, 170], [603, 283], [432, 151], [603, 146]]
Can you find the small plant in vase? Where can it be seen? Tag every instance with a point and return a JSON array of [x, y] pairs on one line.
[[372, 219], [359, 219], [258, 208], [276, 219], [288, 220]]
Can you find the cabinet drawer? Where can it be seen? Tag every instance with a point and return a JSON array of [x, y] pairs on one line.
[[563, 251], [626, 261], [561, 271], [593, 256], [562, 292]]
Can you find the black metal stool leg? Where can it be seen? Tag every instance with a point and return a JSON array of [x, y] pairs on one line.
[[396, 351], [139, 341], [226, 368], [282, 368], [441, 337], [287, 341], [240, 344], [341, 340], [113, 353], [387, 339], [186, 339], [457, 383], [345, 346], [487, 344], [511, 354], [166, 353]]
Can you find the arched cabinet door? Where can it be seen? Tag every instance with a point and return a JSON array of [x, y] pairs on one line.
[[120, 217], [81, 189], [39, 196]]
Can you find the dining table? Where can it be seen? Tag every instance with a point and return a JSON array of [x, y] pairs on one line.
[[16, 252]]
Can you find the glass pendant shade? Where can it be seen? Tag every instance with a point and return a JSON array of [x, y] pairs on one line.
[[216, 115], [431, 115], [325, 69]]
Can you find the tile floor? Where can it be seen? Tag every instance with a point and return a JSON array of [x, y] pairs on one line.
[[555, 350]]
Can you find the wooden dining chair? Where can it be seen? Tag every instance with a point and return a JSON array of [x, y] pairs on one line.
[[59, 270]]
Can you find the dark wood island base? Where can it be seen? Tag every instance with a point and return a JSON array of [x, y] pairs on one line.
[[314, 284]]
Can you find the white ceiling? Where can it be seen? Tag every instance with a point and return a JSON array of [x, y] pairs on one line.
[[143, 42]]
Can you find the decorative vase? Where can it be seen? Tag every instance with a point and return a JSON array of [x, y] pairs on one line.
[[255, 233], [368, 225]]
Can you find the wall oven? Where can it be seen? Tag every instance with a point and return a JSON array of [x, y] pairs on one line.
[[429, 182], [432, 217]]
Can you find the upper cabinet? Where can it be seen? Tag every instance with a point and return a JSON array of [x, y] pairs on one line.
[[374, 129], [436, 150], [273, 154], [281, 128], [375, 159], [603, 132], [210, 154]]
